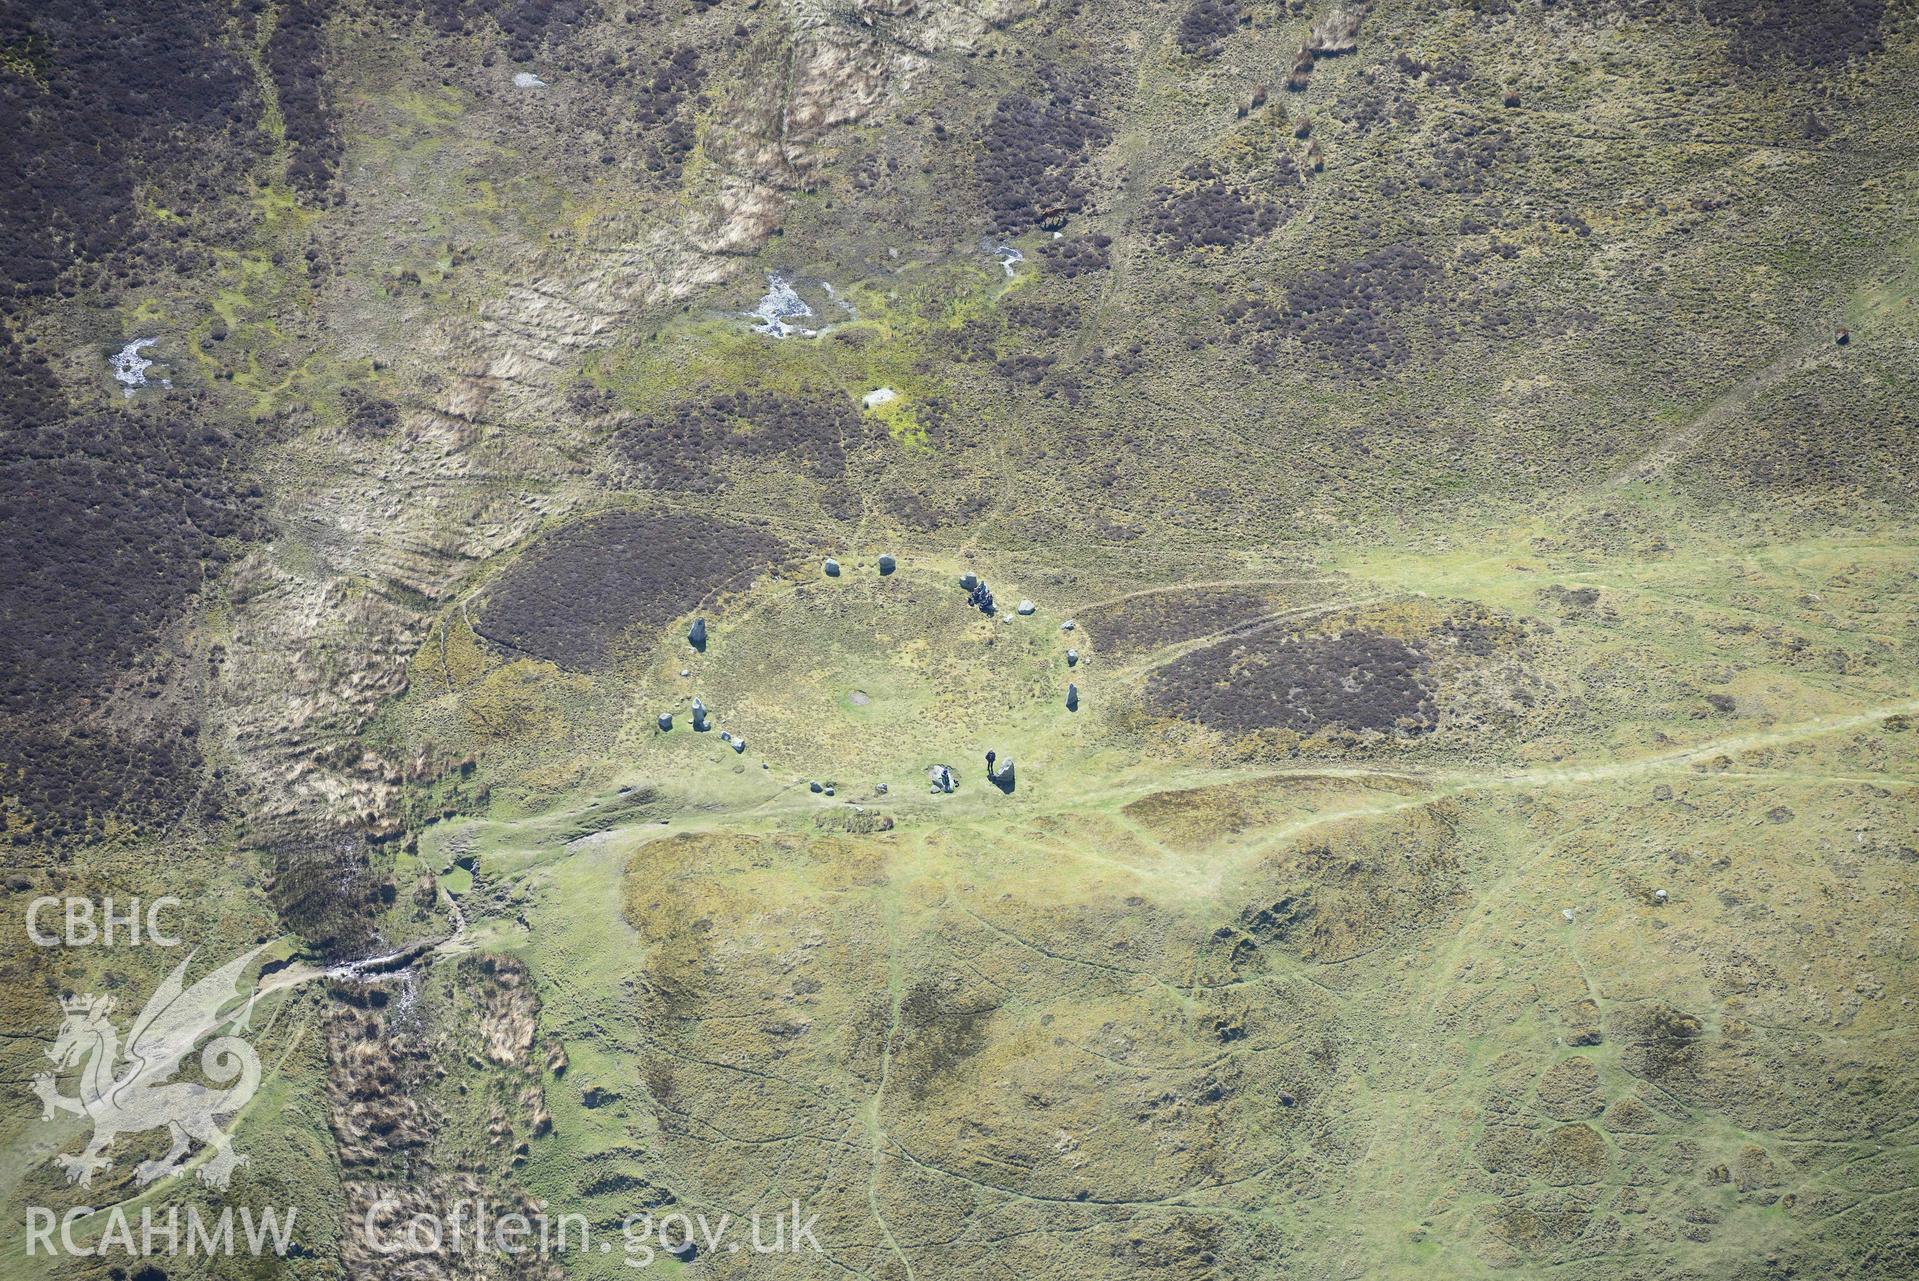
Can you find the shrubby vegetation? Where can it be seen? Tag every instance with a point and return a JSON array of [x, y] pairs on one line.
[[576, 591], [1203, 209], [1204, 26], [98, 99], [1034, 148], [1357, 680], [1353, 314], [111, 522], [1770, 35], [112, 517], [686, 448], [527, 25], [296, 58], [1078, 254]]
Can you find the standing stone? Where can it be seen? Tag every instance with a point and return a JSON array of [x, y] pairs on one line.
[[888, 564], [1072, 658], [699, 715], [832, 568], [1072, 697], [696, 635], [969, 580], [666, 720]]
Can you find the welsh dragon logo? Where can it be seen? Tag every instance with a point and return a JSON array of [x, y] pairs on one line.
[[126, 1089]]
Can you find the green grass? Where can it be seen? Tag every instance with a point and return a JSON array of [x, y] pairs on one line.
[[1067, 912], [1292, 1004]]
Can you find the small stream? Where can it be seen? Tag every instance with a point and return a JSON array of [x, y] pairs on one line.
[[371, 969], [130, 367], [1007, 254], [782, 308], [392, 962]]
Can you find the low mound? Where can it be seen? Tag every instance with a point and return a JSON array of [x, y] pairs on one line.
[[576, 590], [1361, 886]]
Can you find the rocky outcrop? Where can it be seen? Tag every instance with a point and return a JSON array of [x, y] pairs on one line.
[[375, 543]]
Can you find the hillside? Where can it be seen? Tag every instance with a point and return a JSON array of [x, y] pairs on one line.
[[1442, 477]]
